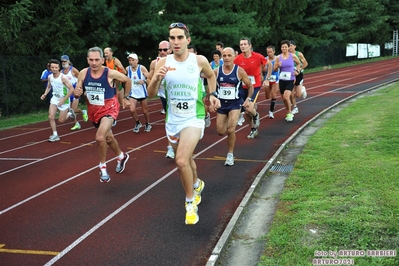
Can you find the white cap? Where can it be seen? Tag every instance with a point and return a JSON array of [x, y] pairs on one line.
[[134, 56]]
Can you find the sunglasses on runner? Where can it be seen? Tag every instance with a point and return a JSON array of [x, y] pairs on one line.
[[178, 25], [163, 49]]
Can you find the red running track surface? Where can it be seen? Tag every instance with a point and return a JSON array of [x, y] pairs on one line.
[[53, 209]]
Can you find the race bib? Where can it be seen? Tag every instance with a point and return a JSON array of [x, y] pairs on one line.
[[186, 108], [272, 78], [252, 79], [227, 93], [95, 98], [285, 75]]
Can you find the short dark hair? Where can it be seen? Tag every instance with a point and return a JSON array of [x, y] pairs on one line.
[[271, 47], [217, 52], [246, 39], [220, 44], [287, 42], [180, 26], [54, 61], [192, 47]]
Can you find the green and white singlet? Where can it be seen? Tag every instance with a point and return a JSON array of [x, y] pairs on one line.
[[183, 90]]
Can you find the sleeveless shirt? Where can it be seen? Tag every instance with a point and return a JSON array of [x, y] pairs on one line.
[[183, 90]]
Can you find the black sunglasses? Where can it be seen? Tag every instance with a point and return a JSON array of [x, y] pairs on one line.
[[178, 25], [163, 49]]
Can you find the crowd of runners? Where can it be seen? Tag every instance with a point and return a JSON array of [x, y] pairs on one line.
[[190, 89]]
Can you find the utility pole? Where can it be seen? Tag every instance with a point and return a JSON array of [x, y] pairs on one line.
[[395, 43]]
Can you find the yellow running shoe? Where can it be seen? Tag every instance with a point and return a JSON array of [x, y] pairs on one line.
[[76, 126], [197, 192], [84, 115], [191, 213]]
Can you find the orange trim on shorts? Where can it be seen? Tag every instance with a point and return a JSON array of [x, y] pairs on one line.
[[174, 138]]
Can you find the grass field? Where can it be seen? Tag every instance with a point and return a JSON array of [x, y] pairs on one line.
[[344, 191]]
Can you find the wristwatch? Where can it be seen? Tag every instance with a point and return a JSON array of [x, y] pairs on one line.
[[214, 94], [249, 99], [126, 97]]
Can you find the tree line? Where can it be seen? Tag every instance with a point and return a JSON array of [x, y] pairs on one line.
[[48, 28]]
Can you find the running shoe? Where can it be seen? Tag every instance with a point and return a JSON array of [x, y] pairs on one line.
[[253, 133], [72, 114], [271, 115], [304, 93], [147, 127], [54, 138], [207, 120], [197, 192], [256, 119], [170, 153], [191, 213], [289, 117], [104, 176], [163, 112], [137, 127], [229, 160], [120, 164], [241, 119], [295, 110], [76, 126], [84, 115]]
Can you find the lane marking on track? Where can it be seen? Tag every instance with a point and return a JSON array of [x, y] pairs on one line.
[[221, 158], [19, 159], [27, 251], [67, 124], [121, 208]]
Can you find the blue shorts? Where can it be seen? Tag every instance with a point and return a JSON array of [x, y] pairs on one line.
[[229, 105], [254, 96]]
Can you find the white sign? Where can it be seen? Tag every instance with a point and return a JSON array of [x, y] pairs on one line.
[[362, 50], [373, 50], [351, 49]]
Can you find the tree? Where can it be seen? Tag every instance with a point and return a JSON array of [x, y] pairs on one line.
[[13, 18]]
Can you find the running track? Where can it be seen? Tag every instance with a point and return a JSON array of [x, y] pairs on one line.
[[54, 210]]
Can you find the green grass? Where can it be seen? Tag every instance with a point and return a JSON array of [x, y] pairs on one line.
[[344, 191]]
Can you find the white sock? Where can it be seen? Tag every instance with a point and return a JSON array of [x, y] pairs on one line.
[[120, 156], [189, 200], [196, 185], [55, 133], [101, 165]]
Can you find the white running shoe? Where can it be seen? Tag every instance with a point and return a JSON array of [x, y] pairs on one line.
[[271, 115], [253, 133], [229, 160], [295, 110], [104, 176], [256, 119], [147, 127], [163, 112], [207, 120], [241, 119], [304, 93], [170, 153], [71, 114], [54, 138]]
